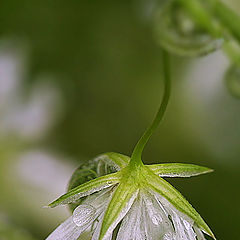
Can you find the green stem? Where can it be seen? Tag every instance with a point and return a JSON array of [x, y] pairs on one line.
[[232, 50], [228, 18], [201, 16], [205, 17], [137, 152]]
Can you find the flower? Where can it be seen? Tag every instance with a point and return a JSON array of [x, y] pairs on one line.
[[26, 117], [133, 203]]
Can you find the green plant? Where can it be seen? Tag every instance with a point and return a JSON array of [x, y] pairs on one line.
[[118, 197]]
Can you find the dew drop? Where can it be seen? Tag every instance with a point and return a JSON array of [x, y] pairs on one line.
[[156, 219], [83, 215], [168, 236]]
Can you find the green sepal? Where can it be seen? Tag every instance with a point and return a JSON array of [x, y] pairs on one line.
[[178, 170], [122, 200], [87, 188], [166, 190]]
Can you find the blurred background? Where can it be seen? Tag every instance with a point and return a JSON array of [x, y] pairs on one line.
[[79, 78]]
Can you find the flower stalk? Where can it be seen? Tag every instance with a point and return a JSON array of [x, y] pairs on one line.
[[136, 158]]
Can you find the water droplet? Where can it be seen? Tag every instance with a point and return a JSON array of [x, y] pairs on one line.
[[83, 215], [168, 236], [232, 78], [156, 219]]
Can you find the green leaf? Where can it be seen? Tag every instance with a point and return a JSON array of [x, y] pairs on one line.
[[121, 202], [166, 190], [178, 170], [118, 159], [99, 166], [87, 188], [81, 175]]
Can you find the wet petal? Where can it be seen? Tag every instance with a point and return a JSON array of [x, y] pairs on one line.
[[97, 230], [68, 230], [132, 227], [199, 234], [99, 201], [156, 219], [183, 228], [121, 202], [175, 198], [83, 214]]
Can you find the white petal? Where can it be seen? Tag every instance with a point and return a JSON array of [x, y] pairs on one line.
[[100, 202], [121, 215], [157, 223], [83, 215], [182, 228], [189, 230], [169, 236], [99, 199], [199, 233], [68, 230], [132, 227], [97, 229], [182, 224]]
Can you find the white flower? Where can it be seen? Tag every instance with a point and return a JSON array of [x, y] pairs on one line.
[[27, 113], [134, 203], [27, 117]]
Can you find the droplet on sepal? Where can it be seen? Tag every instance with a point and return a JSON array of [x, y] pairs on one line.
[[92, 169], [232, 79], [176, 32]]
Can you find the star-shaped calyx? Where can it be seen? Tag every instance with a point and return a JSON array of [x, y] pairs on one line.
[[130, 189], [119, 198]]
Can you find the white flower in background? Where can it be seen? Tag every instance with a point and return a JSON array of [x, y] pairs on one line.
[[26, 115], [137, 200]]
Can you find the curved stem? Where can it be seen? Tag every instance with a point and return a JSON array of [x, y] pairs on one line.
[[232, 51], [201, 16], [229, 18], [137, 152]]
